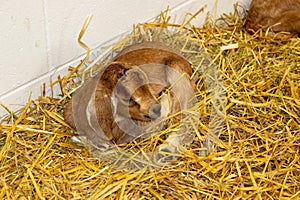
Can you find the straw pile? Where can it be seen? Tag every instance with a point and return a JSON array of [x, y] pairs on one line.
[[257, 157]]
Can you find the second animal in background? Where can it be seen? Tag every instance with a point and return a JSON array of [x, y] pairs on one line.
[[281, 17]]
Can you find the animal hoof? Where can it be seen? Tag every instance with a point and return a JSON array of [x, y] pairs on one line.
[[203, 153], [166, 153]]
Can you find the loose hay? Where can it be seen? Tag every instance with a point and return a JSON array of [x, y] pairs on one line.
[[256, 158]]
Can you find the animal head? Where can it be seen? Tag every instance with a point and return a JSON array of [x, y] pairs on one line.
[[136, 98]]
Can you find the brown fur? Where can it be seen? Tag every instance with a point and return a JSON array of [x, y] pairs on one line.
[[278, 15], [154, 52], [95, 92], [90, 108], [135, 91]]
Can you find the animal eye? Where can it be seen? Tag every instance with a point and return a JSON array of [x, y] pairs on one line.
[[162, 92], [129, 101]]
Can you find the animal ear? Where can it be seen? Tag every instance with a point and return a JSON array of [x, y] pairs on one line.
[[136, 75], [122, 92], [112, 73], [129, 82]]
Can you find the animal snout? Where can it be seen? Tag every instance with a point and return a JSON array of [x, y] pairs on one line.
[[155, 111]]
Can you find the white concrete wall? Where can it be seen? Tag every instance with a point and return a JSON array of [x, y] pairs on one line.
[[38, 38]]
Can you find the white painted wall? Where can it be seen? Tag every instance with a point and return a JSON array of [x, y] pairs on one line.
[[38, 38]]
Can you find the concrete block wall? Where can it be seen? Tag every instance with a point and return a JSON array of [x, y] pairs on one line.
[[38, 38]]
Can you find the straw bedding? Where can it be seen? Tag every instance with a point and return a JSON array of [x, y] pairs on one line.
[[257, 156]]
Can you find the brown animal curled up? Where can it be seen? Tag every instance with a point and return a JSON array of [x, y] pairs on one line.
[[281, 16], [125, 98]]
